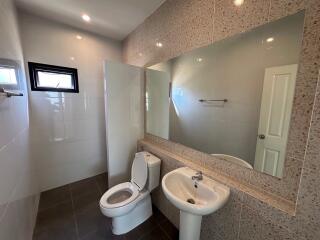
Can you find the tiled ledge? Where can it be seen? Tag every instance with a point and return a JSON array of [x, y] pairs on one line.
[[267, 198]]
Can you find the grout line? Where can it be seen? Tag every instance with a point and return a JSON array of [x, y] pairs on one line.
[[269, 11], [239, 225], [308, 140], [74, 213], [97, 184]]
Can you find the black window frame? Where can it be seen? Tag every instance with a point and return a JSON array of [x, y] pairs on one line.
[[35, 67]]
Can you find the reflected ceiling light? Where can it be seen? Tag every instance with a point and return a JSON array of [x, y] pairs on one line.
[[199, 59], [140, 54], [78, 37], [86, 17], [72, 58], [238, 2], [159, 44], [270, 39]]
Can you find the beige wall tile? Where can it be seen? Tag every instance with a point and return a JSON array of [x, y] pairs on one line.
[[183, 25], [230, 19], [225, 222], [250, 225], [313, 154]]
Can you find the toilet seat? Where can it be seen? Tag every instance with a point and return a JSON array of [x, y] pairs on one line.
[[127, 186]]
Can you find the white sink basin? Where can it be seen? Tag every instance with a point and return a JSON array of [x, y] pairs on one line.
[[194, 198]]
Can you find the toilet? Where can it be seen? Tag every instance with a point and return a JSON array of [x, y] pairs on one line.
[[129, 203]]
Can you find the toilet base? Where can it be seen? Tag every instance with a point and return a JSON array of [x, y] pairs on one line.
[[127, 222]]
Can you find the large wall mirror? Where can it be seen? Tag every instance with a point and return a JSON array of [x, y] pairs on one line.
[[232, 99]]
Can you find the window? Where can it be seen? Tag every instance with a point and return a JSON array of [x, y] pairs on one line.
[[9, 74], [51, 78]]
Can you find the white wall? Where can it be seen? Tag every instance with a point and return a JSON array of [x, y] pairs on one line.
[[124, 110], [68, 130], [18, 181]]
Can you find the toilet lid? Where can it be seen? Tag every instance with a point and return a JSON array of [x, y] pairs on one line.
[[139, 170]]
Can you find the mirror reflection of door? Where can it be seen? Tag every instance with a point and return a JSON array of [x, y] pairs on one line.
[[275, 113]]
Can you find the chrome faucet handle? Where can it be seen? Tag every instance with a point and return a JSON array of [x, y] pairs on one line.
[[198, 176]]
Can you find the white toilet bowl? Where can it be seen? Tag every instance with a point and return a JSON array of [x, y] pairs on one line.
[[129, 203]]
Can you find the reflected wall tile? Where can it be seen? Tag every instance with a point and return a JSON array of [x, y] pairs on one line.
[[231, 19]]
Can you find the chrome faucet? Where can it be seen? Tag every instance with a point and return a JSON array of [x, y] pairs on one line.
[[198, 176]]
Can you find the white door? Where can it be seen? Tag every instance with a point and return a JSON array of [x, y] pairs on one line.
[[275, 113], [124, 113]]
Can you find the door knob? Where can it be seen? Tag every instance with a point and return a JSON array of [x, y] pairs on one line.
[[261, 136]]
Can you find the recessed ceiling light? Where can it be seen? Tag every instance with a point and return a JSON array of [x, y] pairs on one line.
[[140, 54], [199, 59], [270, 39], [72, 58], [238, 2], [159, 44], [86, 17], [79, 37]]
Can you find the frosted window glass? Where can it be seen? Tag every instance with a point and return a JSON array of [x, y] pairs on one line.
[[8, 76], [55, 80]]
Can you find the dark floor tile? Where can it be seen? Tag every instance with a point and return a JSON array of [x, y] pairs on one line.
[[87, 201], [53, 197], [84, 187], [143, 229], [56, 233], [102, 181], [59, 216], [170, 230], [91, 220], [156, 234], [79, 218], [103, 233]]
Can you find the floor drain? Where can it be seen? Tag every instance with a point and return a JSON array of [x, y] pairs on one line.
[[190, 200]]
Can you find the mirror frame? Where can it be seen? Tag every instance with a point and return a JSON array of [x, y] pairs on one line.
[[304, 97]]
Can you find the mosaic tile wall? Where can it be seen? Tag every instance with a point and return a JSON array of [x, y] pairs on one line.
[[182, 25]]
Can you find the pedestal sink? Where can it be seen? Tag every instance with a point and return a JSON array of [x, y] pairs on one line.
[[194, 198]]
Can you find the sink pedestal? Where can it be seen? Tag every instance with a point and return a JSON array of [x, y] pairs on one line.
[[190, 226]]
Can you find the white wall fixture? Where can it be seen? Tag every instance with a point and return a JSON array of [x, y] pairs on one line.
[[124, 117], [195, 195]]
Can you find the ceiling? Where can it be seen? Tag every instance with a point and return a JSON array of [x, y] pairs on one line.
[[110, 18]]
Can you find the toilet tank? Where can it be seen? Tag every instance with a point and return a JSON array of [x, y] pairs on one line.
[[153, 171]]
